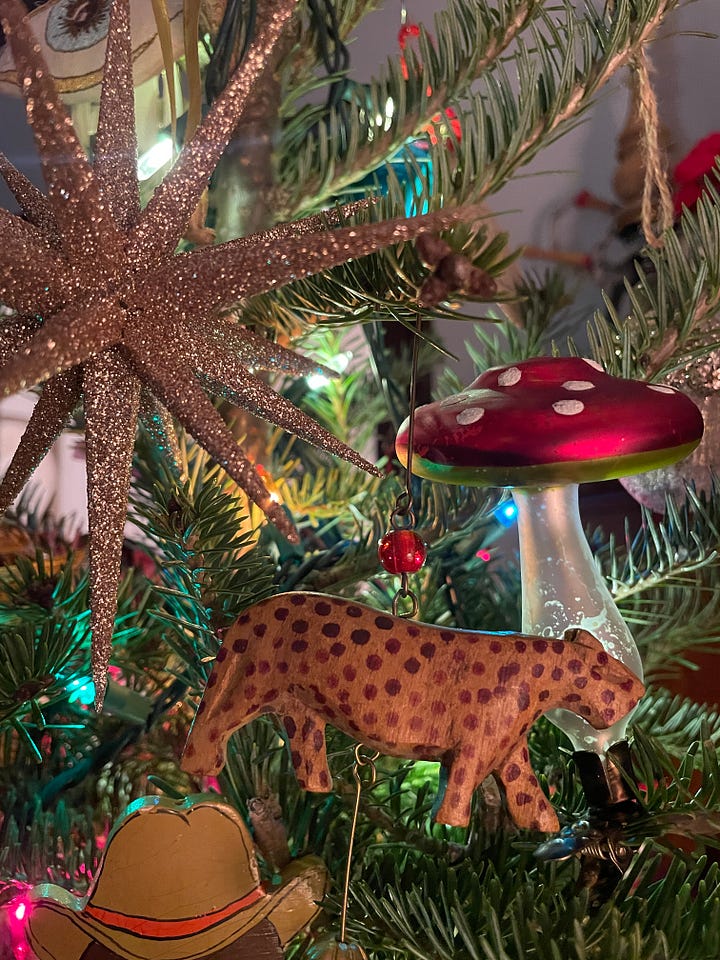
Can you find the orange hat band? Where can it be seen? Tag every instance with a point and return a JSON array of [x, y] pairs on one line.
[[171, 929]]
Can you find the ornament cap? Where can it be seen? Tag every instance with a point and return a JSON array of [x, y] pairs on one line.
[[602, 778]]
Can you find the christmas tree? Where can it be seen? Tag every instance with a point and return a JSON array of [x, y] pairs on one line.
[[159, 321]]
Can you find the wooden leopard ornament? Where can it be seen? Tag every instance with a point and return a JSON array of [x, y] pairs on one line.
[[407, 689]]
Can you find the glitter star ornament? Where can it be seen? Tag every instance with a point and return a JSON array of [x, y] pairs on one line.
[[108, 315]]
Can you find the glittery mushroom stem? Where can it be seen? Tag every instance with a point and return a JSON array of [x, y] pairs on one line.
[[562, 588]]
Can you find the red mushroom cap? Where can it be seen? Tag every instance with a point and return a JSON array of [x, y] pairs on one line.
[[547, 421]]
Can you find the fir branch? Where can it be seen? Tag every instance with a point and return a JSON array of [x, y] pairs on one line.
[[675, 721], [501, 130], [210, 570], [468, 38], [672, 312], [666, 581]]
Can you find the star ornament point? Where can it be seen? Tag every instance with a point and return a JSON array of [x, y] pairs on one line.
[[108, 315]]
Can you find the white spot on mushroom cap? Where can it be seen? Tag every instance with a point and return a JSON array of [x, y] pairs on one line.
[[660, 389], [578, 385], [568, 407], [471, 415], [594, 364], [509, 377]]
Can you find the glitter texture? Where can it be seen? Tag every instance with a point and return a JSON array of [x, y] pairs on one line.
[[131, 329]]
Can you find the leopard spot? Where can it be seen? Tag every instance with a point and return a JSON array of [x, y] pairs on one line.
[[508, 671]]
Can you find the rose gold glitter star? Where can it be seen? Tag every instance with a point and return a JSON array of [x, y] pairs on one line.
[[107, 314]]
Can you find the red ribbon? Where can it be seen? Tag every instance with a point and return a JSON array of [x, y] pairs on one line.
[[171, 929]]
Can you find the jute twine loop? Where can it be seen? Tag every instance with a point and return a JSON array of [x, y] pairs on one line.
[[656, 181]]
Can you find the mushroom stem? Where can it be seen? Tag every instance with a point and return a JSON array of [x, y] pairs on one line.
[[562, 588]]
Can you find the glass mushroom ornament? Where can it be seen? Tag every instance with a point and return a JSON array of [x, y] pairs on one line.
[[541, 427]]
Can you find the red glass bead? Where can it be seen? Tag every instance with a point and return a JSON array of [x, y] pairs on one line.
[[402, 551]]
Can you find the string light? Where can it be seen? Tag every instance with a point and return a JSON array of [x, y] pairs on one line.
[[505, 514], [154, 159], [339, 363]]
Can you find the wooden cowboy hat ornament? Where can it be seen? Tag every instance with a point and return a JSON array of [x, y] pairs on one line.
[[178, 881]]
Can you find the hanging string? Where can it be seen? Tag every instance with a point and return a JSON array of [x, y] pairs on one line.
[[360, 761], [656, 182], [403, 515]]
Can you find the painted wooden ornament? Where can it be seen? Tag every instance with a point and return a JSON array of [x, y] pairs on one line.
[[178, 881], [406, 689]]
